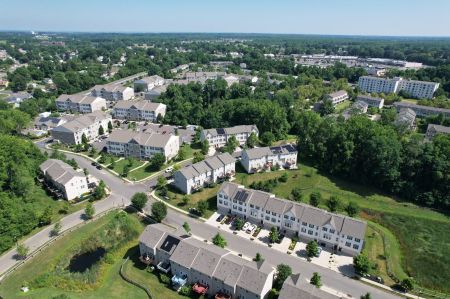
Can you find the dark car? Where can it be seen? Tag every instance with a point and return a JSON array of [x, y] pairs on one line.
[[99, 167], [195, 212], [94, 164], [220, 218]]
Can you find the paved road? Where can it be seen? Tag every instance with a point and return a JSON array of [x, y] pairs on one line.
[[121, 193]]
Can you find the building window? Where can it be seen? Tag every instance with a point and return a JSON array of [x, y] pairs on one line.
[[349, 238], [267, 218], [220, 201], [357, 240], [324, 229], [332, 231], [347, 244], [303, 230], [286, 217], [355, 246], [311, 225], [304, 223], [310, 232]]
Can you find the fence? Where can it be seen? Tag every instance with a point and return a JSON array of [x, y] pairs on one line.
[[129, 280]]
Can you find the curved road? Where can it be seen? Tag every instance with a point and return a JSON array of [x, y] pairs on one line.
[[121, 193]]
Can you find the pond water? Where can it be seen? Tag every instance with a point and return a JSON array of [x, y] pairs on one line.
[[82, 262]]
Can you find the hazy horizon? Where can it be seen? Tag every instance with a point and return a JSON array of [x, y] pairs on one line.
[[400, 18]]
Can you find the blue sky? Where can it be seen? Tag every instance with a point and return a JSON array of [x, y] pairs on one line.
[[360, 17]]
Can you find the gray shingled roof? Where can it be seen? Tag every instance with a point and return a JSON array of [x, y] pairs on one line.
[[295, 287], [59, 171], [208, 259], [77, 98], [186, 252], [206, 165], [354, 227], [254, 276], [139, 105], [338, 93], [142, 138], [229, 270], [151, 236], [399, 105], [82, 121], [439, 128], [233, 130]]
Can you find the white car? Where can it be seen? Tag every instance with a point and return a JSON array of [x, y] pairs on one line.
[[246, 225], [169, 169], [250, 229]]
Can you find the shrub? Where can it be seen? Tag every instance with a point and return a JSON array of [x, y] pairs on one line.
[[164, 278], [185, 290], [284, 178]]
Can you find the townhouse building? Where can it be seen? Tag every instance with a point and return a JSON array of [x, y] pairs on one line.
[[414, 88], [433, 130], [88, 125], [210, 170], [218, 137], [142, 145], [138, 110], [337, 97], [69, 182], [113, 92], [148, 83], [211, 270], [155, 93], [296, 287], [371, 101], [422, 111], [80, 103], [48, 123], [256, 159], [338, 232], [202, 77]]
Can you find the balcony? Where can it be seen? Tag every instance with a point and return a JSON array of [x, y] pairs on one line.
[[178, 281], [222, 296], [200, 288], [163, 267]]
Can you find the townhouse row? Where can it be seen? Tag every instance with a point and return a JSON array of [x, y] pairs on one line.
[[218, 137], [142, 145], [414, 88], [422, 111], [88, 125], [63, 177], [80, 103], [139, 110], [210, 170], [213, 271], [330, 230], [262, 158]]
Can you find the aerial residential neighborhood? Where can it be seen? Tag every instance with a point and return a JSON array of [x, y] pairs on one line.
[[235, 150]]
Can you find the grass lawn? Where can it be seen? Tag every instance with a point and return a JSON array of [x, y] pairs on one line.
[[121, 164], [342, 106], [208, 194], [144, 172]]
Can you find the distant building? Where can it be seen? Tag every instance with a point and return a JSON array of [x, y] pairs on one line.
[[155, 93], [113, 92], [337, 97], [148, 83], [202, 77], [256, 159], [433, 130], [138, 110], [334, 231], [231, 79], [219, 137], [422, 111], [48, 123], [17, 98], [416, 89], [210, 170], [142, 145], [406, 117], [69, 182], [72, 131], [371, 101], [80, 103]]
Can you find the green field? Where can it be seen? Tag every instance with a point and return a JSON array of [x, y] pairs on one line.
[[121, 164], [110, 284]]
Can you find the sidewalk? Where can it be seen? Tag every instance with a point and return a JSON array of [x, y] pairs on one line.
[[153, 194]]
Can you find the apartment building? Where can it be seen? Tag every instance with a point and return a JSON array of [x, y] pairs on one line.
[[219, 137], [422, 111], [113, 92], [210, 170], [138, 110], [296, 287], [256, 159], [80, 103], [433, 130], [337, 97], [405, 118], [142, 145], [416, 89], [69, 182], [330, 230], [72, 131], [371, 101], [202, 77], [211, 270], [155, 93], [48, 123], [148, 83]]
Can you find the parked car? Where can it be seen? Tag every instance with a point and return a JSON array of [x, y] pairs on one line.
[[220, 218], [99, 167], [319, 251], [246, 226], [251, 229], [94, 164], [169, 169]]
